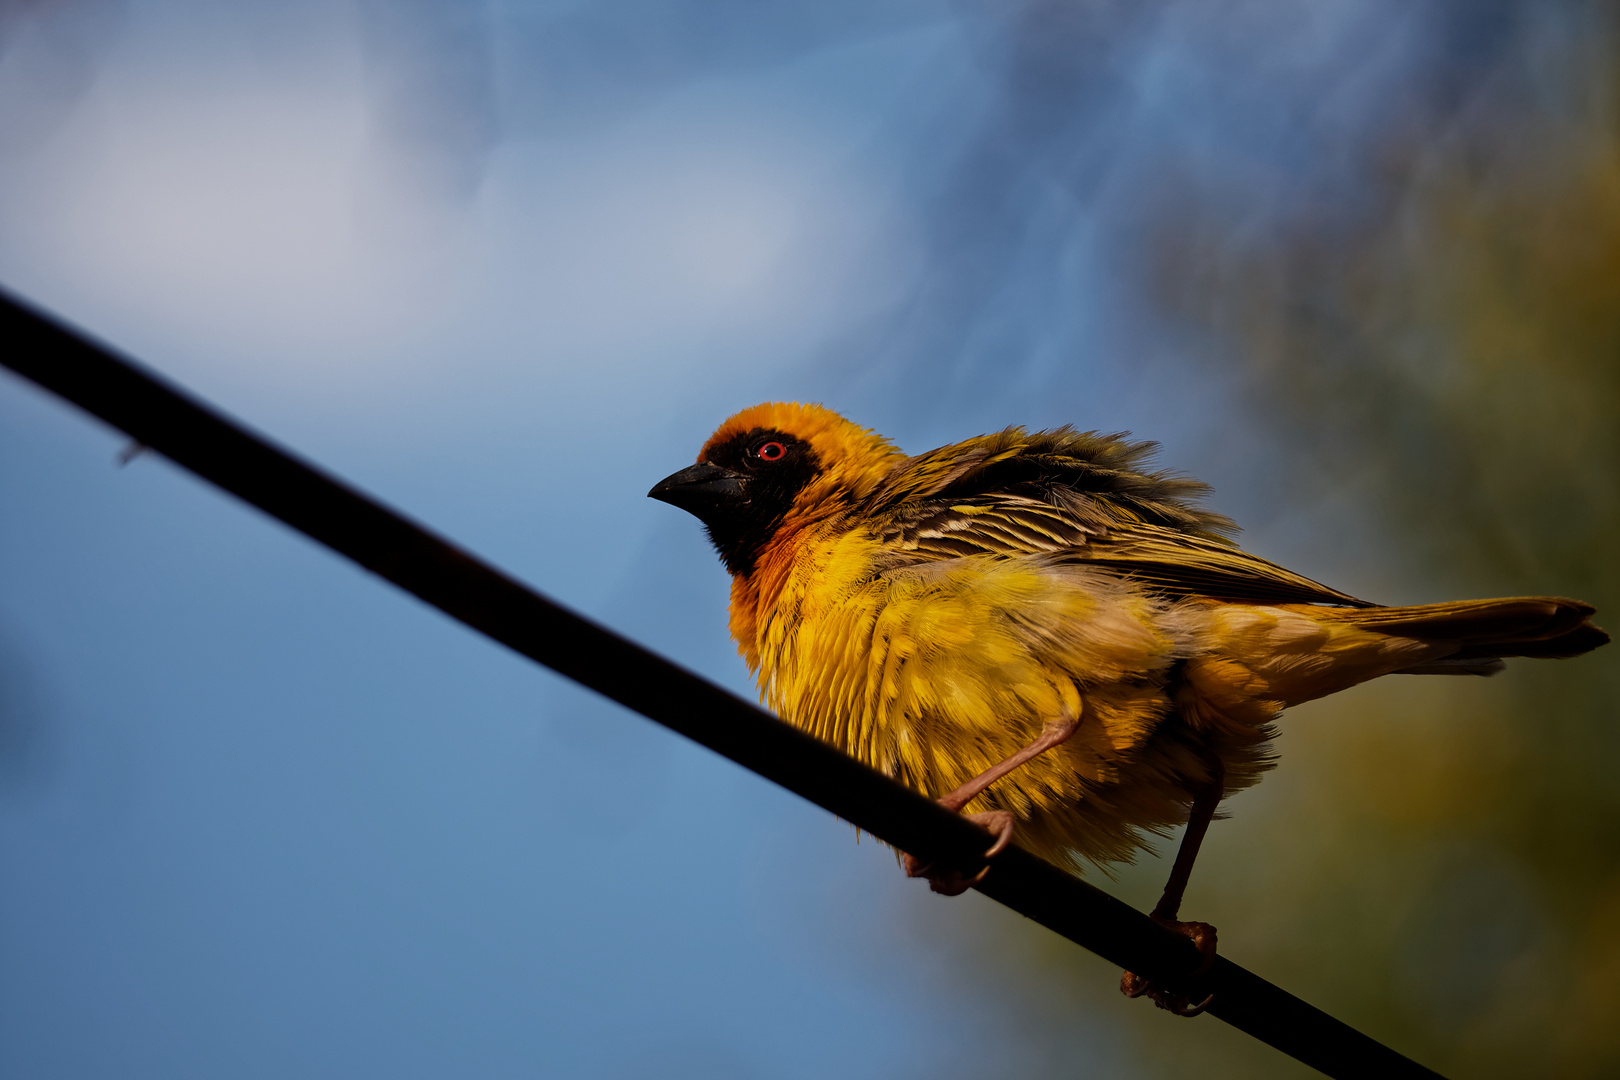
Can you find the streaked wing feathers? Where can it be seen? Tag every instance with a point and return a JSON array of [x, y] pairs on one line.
[[1004, 525], [1076, 497], [1096, 477], [1185, 565], [1175, 563]]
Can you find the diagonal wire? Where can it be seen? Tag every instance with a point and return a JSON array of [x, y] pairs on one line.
[[161, 417]]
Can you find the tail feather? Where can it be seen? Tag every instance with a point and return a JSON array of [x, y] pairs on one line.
[[1582, 639], [1456, 665], [1519, 618], [1549, 627]]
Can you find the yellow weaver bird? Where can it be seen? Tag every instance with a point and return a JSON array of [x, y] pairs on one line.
[[1036, 628]]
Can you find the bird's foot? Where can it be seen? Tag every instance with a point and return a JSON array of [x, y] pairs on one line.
[[950, 881], [1203, 936]]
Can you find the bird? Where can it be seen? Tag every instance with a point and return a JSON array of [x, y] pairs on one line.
[[1044, 632]]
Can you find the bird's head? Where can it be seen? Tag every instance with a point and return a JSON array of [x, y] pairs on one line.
[[773, 466]]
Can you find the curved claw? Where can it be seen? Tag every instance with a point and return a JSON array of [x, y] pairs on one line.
[[950, 881], [1203, 936], [1133, 986], [999, 823]]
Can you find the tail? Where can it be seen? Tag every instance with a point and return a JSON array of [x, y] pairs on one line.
[[1485, 631]]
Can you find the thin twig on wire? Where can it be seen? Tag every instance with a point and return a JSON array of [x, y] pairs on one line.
[[161, 417]]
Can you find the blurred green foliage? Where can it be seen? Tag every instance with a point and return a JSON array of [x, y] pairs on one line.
[[1437, 861]]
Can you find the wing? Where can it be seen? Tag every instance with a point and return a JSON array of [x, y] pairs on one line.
[[1183, 565], [1169, 561], [1077, 497], [1097, 479]]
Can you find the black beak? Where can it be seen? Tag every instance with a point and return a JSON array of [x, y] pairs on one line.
[[700, 489]]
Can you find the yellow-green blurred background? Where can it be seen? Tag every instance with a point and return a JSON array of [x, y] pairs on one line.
[[1438, 377]]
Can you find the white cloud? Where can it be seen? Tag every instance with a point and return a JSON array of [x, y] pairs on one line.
[[239, 215], [226, 212]]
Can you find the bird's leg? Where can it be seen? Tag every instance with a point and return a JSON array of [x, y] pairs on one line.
[[951, 882], [1203, 811], [1169, 906]]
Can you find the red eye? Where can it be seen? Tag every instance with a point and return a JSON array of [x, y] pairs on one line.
[[771, 451]]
